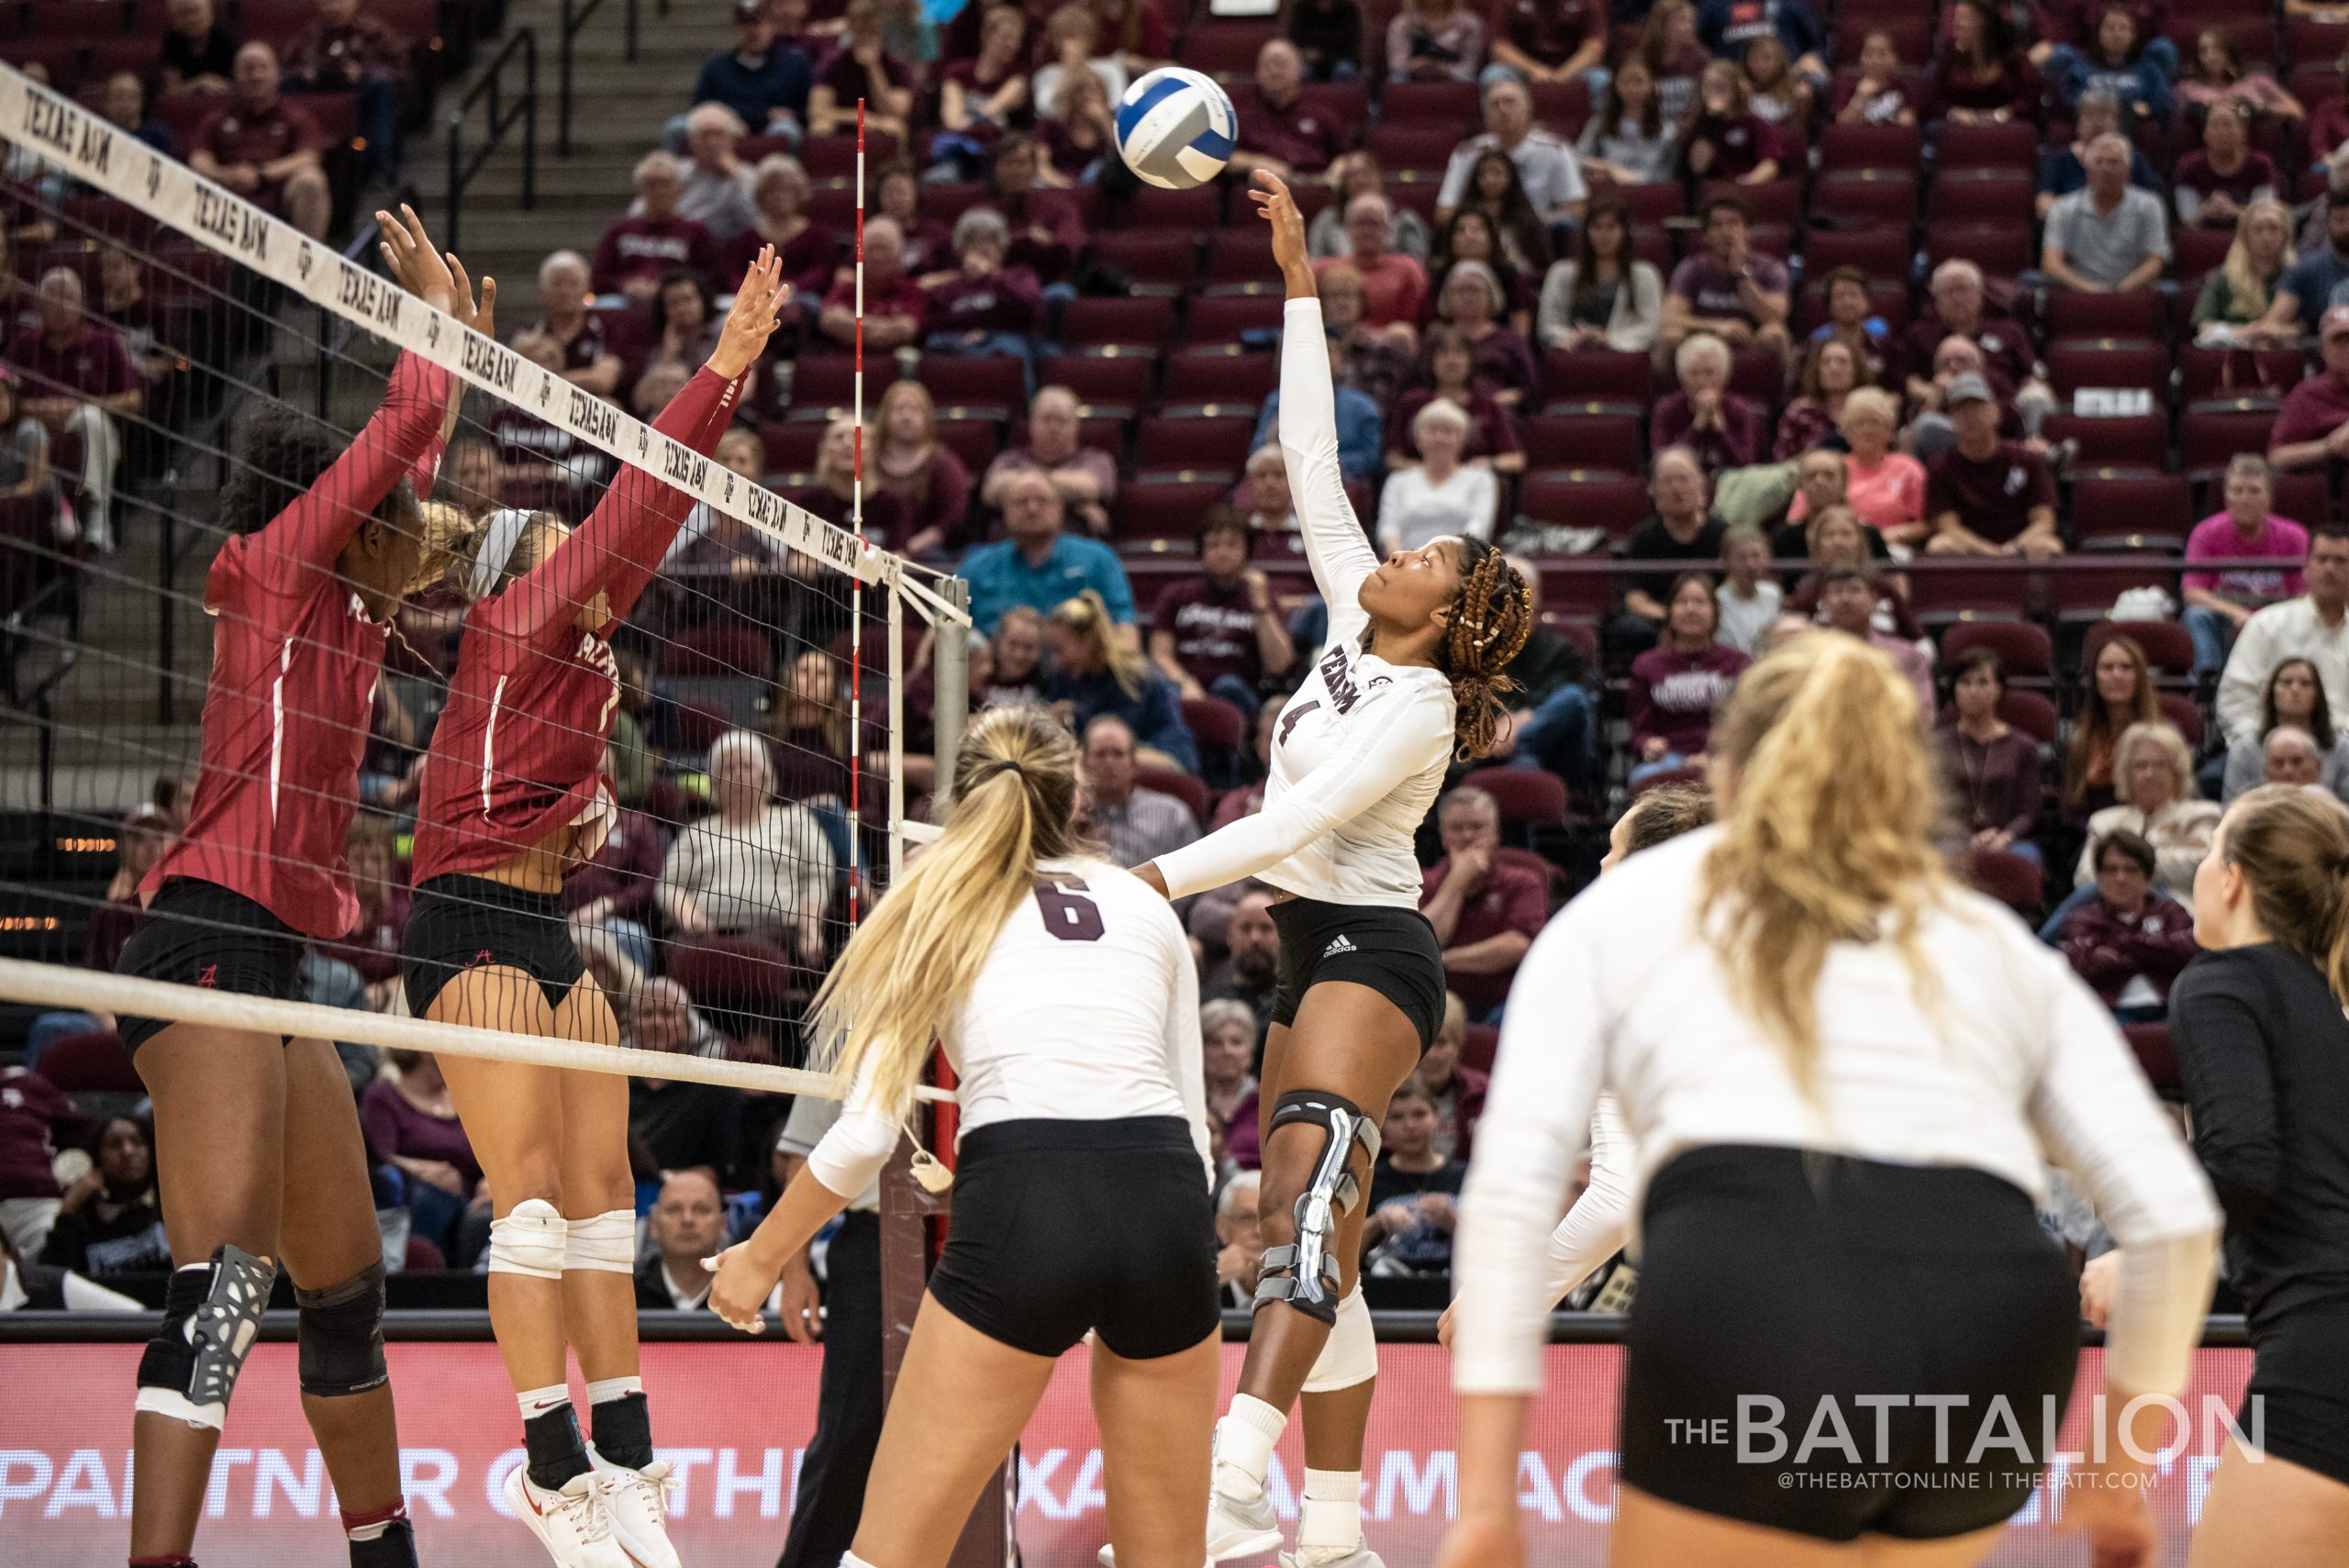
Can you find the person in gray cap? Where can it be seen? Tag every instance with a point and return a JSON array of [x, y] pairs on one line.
[[1987, 495]]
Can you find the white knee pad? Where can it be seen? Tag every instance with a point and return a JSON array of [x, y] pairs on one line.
[[530, 1240], [605, 1241], [1350, 1355]]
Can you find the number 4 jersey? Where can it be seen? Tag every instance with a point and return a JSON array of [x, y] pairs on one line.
[[1088, 1010]]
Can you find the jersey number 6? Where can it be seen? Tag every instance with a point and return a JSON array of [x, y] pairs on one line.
[[1068, 913]]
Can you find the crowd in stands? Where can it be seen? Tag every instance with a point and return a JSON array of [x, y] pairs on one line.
[[1733, 323]]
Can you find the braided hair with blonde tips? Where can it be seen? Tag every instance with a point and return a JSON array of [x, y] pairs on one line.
[[1491, 617]]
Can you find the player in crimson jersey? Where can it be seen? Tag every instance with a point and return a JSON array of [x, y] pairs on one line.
[[257, 1144], [516, 795]]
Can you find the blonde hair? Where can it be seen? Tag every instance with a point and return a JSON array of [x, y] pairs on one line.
[[904, 392], [453, 538], [2247, 288], [1874, 400], [1702, 346], [911, 964], [1087, 614], [2292, 847], [1830, 838]]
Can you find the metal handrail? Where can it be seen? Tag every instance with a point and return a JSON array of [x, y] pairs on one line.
[[575, 14], [504, 110]]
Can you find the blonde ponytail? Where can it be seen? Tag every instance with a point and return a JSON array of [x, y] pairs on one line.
[[1087, 614], [911, 964], [453, 540], [1830, 838]]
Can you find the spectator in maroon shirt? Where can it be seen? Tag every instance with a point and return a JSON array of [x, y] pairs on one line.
[[779, 196], [613, 893], [266, 149], [986, 309], [1726, 139], [372, 948], [1047, 227], [564, 320], [2227, 174], [1676, 684], [2312, 429], [410, 1122], [1220, 634], [344, 52], [78, 380], [1486, 911], [1724, 288], [32, 1110], [652, 238], [1960, 310], [2130, 940], [863, 67], [199, 55], [894, 306], [1546, 40], [1985, 496], [1992, 767], [1284, 131], [1978, 78], [929, 480], [1722, 429]]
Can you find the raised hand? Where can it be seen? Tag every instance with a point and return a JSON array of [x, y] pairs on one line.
[[408, 252], [478, 313], [1272, 200], [758, 310]]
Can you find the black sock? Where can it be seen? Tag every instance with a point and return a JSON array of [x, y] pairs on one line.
[[556, 1452], [394, 1548], [624, 1431]]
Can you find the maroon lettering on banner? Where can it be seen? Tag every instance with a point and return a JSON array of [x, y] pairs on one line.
[[733, 1418]]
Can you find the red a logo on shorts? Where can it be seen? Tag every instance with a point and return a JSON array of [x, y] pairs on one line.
[[210, 978], [484, 956]]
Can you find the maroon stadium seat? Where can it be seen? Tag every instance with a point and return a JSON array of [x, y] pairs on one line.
[[2209, 433], [2199, 251], [2168, 647], [1214, 722], [2305, 496], [1092, 320], [2014, 881], [2138, 440], [1222, 373], [719, 649], [2151, 1045], [1880, 251], [2119, 509], [1197, 209], [1940, 595], [2025, 651], [1484, 1042], [1164, 508], [1201, 438], [740, 974], [1581, 497], [1450, 105], [1892, 147], [2004, 252], [1223, 318], [1579, 375], [1885, 196], [1595, 435], [1181, 786], [1527, 797], [92, 1061], [2071, 314], [999, 382], [1156, 258], [1109, 374], [1420, 146], [2185, 713], [2013, 145], [1241, 256], [2088, 596], [1984, 195], [1562, 107]]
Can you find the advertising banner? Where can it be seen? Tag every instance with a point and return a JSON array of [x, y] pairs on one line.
[[733, 1418]]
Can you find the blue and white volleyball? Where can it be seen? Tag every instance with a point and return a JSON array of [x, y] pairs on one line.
[[1174, 128]]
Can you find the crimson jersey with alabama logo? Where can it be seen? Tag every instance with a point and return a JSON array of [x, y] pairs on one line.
[[521, 750], [294, 660]]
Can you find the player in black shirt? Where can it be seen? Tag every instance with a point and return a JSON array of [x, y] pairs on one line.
[[2264, 1049]]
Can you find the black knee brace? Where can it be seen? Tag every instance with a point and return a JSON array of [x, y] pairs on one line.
[[342, 1335], [211, 1316], [1305, 1274]]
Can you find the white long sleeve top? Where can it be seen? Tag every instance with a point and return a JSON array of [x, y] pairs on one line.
[[1361, 749], [2018, 1065], [1088, 1010], [2282, 631]]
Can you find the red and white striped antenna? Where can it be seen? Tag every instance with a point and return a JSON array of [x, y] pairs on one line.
[[856, 587]]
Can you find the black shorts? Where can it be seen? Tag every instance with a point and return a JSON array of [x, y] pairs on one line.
[[1062, 1226], [1392, 950], [1814, 1279], [465, 922], [199, 933], [2299, 1382]]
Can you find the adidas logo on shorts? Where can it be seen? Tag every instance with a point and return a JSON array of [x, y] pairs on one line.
[[1338, 945]]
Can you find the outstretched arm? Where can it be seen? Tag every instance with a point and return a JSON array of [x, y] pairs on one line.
[[1334, 542], [617, 551]]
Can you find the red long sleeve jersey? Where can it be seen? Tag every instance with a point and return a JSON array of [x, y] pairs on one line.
[[522, 748], [295, 662]]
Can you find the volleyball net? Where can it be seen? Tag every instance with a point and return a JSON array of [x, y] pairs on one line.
[[764, 759]]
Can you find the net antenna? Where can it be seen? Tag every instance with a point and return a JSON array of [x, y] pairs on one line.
[[211, 234]]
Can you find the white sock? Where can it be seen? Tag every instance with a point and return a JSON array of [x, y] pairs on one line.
[[1244, 1441], [1332, 1512], [535, 1402], [850, 1560], [603, 1390]]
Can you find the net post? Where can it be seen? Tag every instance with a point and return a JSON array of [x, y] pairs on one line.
[[856, 586], [896, 663], [950, 662]]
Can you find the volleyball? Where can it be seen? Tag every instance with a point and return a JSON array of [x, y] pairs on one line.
[[1174, 128]]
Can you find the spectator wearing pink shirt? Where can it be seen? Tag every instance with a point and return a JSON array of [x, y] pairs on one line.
[[2217, 602]]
